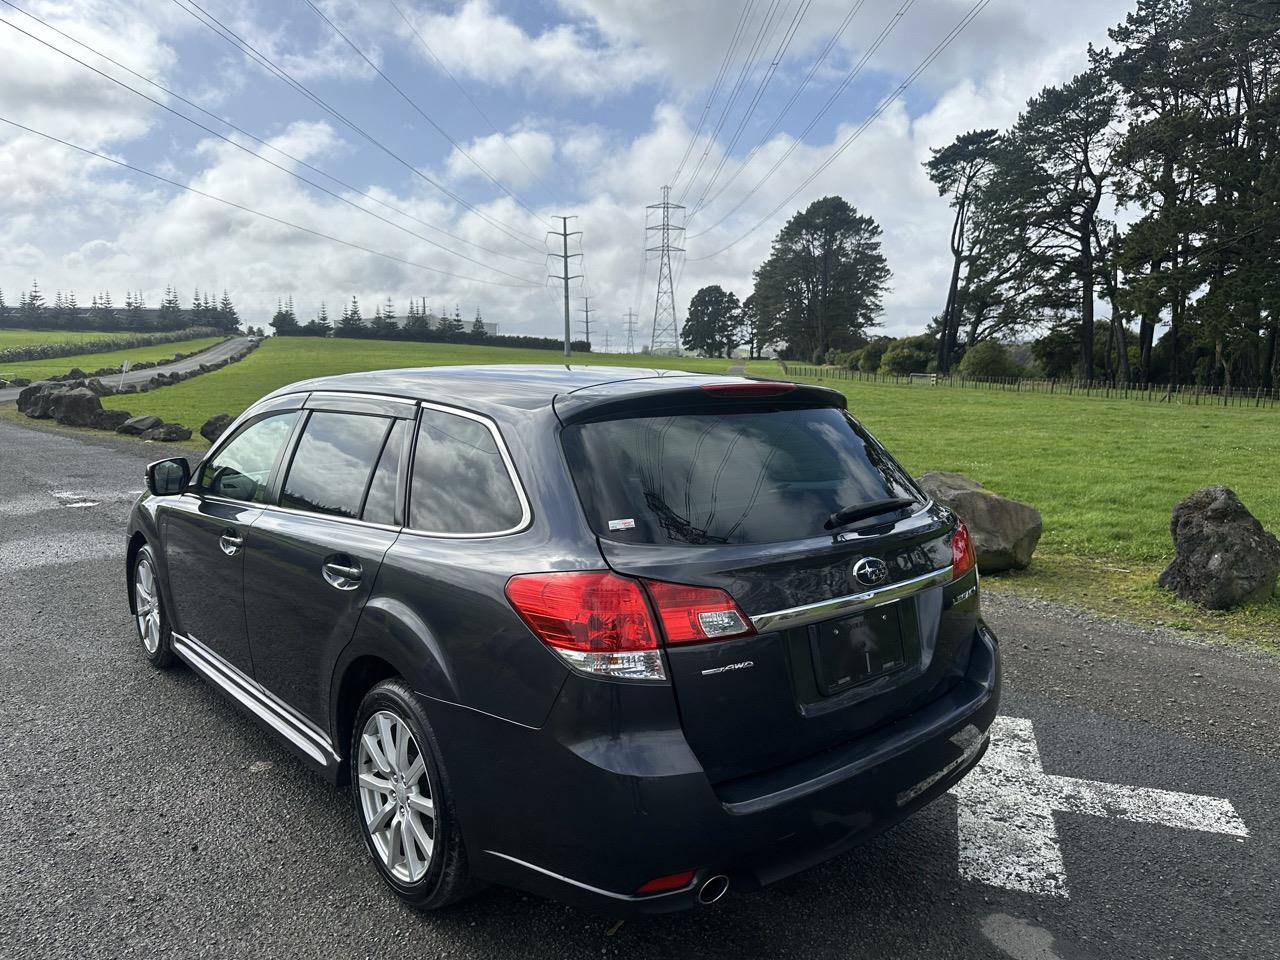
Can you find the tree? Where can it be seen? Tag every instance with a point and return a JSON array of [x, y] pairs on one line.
[[908, 355], [319, 326], [989, 360], [33, 307], [825, 278], [102, 312], [170, 310], [351, 324], [869, 357], [453, 324], [284, 322], [713, 325], [227, 318], [382, 327], [959, 170], [477, 328]]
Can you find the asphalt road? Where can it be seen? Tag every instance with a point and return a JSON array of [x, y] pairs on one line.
[[219, 351], [145, 816]]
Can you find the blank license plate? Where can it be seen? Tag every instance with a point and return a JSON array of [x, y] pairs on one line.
[[855, 649]]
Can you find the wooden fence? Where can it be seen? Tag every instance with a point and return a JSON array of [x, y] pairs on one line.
[[1187, 394]]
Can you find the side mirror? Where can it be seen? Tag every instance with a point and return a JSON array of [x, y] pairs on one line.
[[167, 478]]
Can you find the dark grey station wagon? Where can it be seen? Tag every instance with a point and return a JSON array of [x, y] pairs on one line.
[[621, 637]]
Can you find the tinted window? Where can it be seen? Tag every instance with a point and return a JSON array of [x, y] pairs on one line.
[[331, 467], [241, 470], [727, 478], [460, 481], [380, 505]]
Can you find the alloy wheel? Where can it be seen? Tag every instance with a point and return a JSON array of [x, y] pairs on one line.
[[146, 603], [395, 796]]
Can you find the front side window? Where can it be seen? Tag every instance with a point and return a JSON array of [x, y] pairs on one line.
[[241, 470], [460, 481], [722, 478], [331, 468]]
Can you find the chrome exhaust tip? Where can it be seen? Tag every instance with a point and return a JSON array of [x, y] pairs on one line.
[[713, 888]]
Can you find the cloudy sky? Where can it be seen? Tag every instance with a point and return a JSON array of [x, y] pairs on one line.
[[513, 111]]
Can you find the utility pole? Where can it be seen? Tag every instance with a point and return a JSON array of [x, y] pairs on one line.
[[586, 320], [564, 234], [666, 325], [629, 325]]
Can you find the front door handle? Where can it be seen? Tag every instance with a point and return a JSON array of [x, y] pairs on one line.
[[342, 576], [231, 542]]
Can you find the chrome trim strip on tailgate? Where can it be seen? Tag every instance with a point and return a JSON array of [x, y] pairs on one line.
[[256, 698], [853, 603]]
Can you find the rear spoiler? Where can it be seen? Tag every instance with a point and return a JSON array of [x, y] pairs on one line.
[[666, 396]]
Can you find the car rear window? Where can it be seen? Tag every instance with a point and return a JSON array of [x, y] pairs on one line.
[[752, 477]]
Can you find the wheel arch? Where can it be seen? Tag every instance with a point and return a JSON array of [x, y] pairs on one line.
[[136, 542]]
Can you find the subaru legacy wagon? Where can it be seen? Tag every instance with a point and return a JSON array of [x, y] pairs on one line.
[[625, 638]]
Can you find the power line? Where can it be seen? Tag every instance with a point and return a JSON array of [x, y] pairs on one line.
[[786, 108], [885, 31], [765, 25], [256, 213], [778, 56], [208, 20], [422, 113], [471, 100], [924, 64], [715, 87], [258, 156]]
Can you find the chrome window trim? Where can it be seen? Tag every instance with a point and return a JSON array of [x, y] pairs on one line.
[[852, 603], [257, 699], [526, 513]]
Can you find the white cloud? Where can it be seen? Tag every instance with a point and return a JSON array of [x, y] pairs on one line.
[[517, 159]]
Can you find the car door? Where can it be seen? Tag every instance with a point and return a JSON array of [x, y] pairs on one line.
[[203, 534], [312, 558]]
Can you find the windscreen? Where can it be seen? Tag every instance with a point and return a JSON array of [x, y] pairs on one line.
[[735, 478]]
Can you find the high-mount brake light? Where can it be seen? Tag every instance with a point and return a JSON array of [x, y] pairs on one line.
[[761, 388], [596, 621], [963, 557], [697, 614]]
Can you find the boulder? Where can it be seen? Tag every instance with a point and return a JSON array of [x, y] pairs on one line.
[[214, 427], [136, 425], [20, 382], [75, 373], [37, 400], [98, 387], [1222, 555], [1005, 532], [76, 408], [167, 433], [105, 371], [110, 419], [30, 394]]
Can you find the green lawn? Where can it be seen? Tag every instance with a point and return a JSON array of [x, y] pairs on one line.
[[38, 369], [26, 338], [281, 361], [1104, 473]]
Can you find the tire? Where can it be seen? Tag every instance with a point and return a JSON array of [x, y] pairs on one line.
[[397, 792], [150, 618]]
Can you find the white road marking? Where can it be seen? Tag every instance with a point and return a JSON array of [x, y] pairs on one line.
[[1008, 837]]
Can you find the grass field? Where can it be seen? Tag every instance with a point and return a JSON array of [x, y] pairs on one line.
[[25, 338], [37, 369], [281, 361]]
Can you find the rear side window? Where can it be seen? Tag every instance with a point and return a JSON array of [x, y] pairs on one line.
[[331, 467], [461, 484], [727, 478], [241, 470]]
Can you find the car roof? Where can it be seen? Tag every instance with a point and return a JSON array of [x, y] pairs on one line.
[[491, 387]]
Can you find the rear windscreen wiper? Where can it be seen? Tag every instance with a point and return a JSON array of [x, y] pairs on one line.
[[860, 511]]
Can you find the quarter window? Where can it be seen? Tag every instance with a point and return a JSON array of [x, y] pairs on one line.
[[330, 470], [380, 504], [460, 481], [241, 470]]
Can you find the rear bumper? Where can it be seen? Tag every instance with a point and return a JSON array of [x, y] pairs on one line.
[[587, 821]]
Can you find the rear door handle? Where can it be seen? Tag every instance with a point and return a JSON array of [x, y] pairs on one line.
[[230, 542], [342, 576]]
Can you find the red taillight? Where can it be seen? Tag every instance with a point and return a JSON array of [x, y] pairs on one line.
[[672, 881], [962, 555], [697, 614], [761, 388], [596, 621]]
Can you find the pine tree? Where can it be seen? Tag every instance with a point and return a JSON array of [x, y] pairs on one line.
[[284, 322], [33, 307], [477, 328], [320, 326], [227, 318], [4, 311], [352, 323]]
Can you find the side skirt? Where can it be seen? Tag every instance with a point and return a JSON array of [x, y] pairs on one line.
[[298, 732]]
